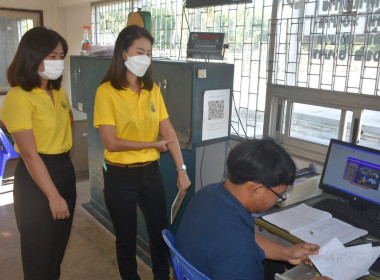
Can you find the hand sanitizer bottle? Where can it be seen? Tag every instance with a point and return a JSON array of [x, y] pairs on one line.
[[86, 39]]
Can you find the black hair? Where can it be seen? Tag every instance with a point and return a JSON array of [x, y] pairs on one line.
[[116, 73], [36, 44], [260, 160]]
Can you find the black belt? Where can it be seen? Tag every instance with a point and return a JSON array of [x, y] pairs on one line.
[[134, 165]]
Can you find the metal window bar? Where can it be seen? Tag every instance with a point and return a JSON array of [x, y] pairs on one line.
[[171, 26], [345, 53]]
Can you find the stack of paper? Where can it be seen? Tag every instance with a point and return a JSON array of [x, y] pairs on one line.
[[313, 225], [340, 263]]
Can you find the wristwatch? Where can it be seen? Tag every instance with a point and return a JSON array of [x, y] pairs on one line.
[[181, 167]]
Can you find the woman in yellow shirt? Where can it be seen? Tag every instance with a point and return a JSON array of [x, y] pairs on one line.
[[130, 113], [37, 113]]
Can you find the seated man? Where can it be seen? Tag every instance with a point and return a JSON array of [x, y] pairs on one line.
[[216, 233]]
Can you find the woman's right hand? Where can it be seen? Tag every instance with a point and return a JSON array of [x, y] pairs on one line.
[[161, 146], [37, 169], [59, 208]]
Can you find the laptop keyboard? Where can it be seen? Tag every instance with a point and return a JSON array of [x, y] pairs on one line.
[[364, 219]]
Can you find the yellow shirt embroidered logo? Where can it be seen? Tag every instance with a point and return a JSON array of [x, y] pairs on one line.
[[63, 104], [152, 108]]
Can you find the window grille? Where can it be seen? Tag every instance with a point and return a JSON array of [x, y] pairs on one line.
[[316, 45], [328, 45], [246, 33], [323, 74]]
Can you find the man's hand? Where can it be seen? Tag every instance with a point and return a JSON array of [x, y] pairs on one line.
[[299, 253]]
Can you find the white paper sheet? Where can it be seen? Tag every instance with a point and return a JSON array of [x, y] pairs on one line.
[[320, 233], [216, 114], [340, 263]]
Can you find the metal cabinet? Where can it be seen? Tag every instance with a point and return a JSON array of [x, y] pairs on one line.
[[182, 88]]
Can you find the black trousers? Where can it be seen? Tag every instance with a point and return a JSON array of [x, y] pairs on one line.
[[43, 240], [125, 189]]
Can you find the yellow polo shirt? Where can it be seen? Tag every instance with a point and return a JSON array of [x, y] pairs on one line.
[[23, 110], [136, 117]]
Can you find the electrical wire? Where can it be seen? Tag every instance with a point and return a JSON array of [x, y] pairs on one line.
[[225, 158], [188, 27], [240, 122], [201, 165]]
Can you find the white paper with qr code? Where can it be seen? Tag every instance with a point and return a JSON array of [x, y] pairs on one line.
[[216, 114]]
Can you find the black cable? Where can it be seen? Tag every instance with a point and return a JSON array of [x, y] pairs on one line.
[[225, 159], [237, 134], [245, 133], [180, 39], [200, 171]]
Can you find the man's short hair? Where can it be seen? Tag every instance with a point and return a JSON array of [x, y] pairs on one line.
[[260, 160]]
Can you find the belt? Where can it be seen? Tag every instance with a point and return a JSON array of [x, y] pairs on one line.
[[134, 165]]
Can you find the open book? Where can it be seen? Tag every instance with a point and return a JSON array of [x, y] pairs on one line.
[[313, 225]]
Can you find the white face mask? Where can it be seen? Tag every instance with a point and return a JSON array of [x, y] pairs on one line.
[[138, 64], [53, 69]]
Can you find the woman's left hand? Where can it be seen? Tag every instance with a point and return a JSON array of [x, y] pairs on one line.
[[183, 181]]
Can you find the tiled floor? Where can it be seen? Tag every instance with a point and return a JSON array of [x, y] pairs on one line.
[[91, 250]]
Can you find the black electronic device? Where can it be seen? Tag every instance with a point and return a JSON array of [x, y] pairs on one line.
[[352, 172], [310, 170], [205, 3], [206, 45]]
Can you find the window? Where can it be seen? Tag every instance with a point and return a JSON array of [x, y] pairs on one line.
[[370, 132], [14, 23], [324, 74], [315, 123]]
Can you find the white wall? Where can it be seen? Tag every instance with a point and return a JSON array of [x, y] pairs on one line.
[[48, 7], [75, 16]]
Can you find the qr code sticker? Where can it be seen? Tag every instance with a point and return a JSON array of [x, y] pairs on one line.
[[216, 110]]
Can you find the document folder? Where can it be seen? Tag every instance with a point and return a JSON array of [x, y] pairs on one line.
[[176, 205]]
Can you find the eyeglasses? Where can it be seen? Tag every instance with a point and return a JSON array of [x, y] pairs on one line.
[[282, 197]]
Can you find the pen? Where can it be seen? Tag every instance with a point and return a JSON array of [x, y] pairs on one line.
[[371, 239]]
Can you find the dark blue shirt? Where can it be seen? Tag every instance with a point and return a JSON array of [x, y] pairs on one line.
[[216, 235]]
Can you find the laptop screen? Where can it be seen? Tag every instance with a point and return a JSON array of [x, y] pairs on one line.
[[353, 172]]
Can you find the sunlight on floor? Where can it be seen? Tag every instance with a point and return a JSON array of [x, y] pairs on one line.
[[5, 234], [6, 198], [6, 192]]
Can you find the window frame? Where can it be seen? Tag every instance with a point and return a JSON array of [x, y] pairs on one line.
[[35, 15], [275, 118]]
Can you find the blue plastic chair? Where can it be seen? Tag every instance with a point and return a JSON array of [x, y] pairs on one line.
[[182, 268], [7, 152]]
